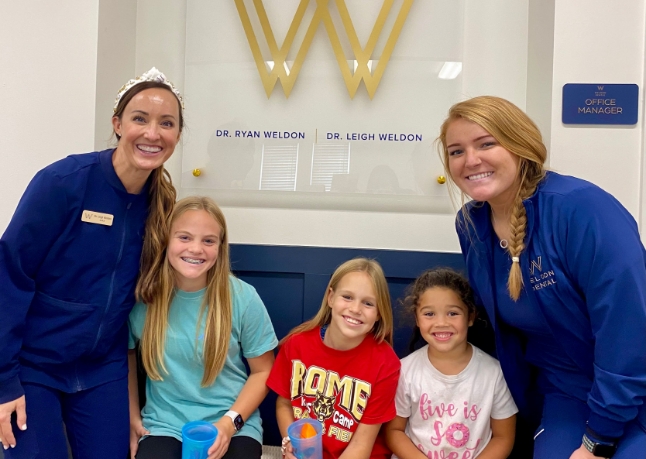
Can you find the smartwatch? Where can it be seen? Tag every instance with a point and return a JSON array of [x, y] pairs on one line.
[[599, 448], [236, 418]]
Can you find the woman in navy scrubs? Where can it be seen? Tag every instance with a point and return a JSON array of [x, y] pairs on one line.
[[560, 269], [69, 261]]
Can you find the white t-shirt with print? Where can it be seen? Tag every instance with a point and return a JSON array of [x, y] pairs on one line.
[[452, 414]]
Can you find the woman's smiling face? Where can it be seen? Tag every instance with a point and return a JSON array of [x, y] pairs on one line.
[[149, 129], [481, 167]]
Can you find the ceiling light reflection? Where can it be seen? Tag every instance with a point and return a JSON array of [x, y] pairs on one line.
[[450, 70]]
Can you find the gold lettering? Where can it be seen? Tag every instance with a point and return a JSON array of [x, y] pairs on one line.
[[360, 399], [298, 370], [336, 385], [314, 381]]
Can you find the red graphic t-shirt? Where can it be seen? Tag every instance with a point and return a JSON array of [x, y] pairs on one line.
[[339, 388]]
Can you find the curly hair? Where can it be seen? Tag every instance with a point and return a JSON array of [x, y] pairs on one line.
[[443, 278]]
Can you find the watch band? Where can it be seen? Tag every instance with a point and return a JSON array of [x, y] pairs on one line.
[[237, 420], [283, 445], [594, 436], [599, 448]]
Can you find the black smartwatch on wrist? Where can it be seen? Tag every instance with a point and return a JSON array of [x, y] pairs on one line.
[[236, 418], [598, 448]]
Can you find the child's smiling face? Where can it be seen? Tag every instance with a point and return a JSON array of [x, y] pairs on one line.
[[443, 320], [354, 311], [193, 248]]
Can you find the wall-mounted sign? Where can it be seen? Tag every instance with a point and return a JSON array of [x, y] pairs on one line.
[[363, 57], [600, 103], [332, 104]]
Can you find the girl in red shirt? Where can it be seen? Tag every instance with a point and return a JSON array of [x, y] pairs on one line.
[[340, 368]]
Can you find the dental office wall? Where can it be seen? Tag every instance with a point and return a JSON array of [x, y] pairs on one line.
[[61, 64]]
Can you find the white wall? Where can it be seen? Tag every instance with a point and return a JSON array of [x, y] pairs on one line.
[[496, 46], [161, 37], [50, 93], [540, 65], [599, 42], [47, 88], [116, 51]]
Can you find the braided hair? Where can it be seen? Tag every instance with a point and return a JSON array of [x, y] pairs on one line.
[[518, 134]]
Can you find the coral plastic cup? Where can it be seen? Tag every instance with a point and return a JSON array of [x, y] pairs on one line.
[[306, 448], [197, 438]]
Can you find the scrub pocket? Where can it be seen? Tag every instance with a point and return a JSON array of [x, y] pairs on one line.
[[59, 331]]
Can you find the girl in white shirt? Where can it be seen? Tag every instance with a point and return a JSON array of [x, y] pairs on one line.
[[452, 400]]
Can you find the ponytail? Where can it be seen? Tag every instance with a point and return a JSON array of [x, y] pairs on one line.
[[161, 200]]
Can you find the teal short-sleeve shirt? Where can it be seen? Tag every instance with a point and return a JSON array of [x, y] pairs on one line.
[[179, 398]]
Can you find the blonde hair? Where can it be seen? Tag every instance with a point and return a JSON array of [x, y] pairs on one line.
[[383, 328], [157, 290], [518, 134]]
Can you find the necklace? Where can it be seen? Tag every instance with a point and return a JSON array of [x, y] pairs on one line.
[[503, 242]]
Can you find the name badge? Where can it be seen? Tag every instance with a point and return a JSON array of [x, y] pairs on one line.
[[97, 218]]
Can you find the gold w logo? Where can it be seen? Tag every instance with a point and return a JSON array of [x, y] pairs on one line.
[[362, 71], [600, 88]]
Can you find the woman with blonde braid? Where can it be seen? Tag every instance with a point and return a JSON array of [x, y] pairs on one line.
[[69, 261], [560, 269]]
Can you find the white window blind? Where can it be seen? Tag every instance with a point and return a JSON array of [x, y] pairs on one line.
[[329, 160], [278, 167]]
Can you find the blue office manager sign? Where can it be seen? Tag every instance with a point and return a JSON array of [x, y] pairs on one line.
[[600, 103]]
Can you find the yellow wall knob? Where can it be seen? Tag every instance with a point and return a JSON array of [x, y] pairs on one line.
[[441, 180], [197, 172]]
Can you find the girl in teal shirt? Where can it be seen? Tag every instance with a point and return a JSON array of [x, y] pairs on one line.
[[194, 323]]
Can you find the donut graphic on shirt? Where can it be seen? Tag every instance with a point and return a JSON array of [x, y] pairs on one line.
[[463, 434]]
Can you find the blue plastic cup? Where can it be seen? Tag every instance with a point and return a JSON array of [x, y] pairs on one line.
[[197, 438], [306, 448]]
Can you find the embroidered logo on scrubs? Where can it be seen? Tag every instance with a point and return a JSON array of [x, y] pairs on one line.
[[539, 278]]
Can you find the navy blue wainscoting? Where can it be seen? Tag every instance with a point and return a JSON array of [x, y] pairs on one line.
[[291, 282]]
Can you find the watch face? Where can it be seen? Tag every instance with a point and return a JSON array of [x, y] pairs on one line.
[[603, 450], [238, 422]]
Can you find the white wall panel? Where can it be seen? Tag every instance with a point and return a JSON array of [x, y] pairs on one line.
[[599, 42], [47, 88]]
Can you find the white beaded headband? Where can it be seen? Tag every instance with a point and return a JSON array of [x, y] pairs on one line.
[[151, 75]]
